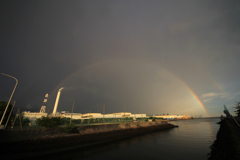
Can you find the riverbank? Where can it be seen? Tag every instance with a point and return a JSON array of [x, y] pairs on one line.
[[63, 142], [25, 134], [227, 143]]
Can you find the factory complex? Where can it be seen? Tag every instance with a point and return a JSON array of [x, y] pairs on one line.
[[99, 115], [33, 116], [169, 117], [64, 114]]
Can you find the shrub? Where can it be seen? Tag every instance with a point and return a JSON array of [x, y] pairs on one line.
[[76, 121], [25, 121], [71, 128], [49, 122], [66, 120], [85, 121]]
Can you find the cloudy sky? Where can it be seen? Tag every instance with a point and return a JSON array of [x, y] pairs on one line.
[[176, 57]]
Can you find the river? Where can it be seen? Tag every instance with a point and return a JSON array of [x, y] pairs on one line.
[[191, 140]]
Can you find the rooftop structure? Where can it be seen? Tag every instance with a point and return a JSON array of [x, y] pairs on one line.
[[100, 115], [171, 116]]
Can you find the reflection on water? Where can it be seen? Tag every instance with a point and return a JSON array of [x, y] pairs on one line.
[[191, 140]]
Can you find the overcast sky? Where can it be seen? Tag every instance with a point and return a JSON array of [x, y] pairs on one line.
[[155, 56]]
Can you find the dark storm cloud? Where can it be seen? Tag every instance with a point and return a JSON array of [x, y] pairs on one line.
[[43, 42]]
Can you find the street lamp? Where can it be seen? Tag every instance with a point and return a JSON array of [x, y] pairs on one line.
[[10, 96]]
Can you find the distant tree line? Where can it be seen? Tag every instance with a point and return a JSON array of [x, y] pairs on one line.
[[3, 106], [238, 108], [50, 122], [24, 121]]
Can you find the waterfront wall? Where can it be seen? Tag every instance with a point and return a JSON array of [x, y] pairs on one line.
[[48, 144], [227, 143], [25, 134]]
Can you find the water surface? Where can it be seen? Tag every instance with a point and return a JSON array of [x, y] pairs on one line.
[[191, 140]]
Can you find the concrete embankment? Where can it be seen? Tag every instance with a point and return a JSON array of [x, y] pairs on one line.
[[25, 134], [91, 135], [227, 144]]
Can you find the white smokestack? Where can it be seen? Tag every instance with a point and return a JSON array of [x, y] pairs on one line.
[[56, 102]]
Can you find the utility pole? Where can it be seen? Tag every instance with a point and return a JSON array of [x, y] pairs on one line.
[[103, 111], [14, 119], [135, 115], [89, 118], [19, 118], [115, 117], [19, 114], [141, 114], [124, 115], [10, 96], [9, 115], [72, 112]]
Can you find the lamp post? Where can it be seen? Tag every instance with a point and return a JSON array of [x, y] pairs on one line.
[[10, 96]]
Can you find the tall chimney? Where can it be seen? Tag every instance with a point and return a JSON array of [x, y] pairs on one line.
[[56, 102]]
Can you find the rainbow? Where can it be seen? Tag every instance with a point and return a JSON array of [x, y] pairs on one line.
[[59, 85], [92, 64], [218, 86], [196, 97]]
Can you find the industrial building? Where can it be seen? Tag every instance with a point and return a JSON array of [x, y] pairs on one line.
[[99, 115], [171, 116], [33, 116]]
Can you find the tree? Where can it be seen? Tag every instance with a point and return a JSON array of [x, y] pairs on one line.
[[49, 122], [2, 109], [154, 119], [66, 120], [25, 121], [71, 128], [91, 120], [238, 108]]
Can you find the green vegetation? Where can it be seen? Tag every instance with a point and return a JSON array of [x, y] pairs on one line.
[[25, 121], [154, 118], [2, 109], [49, 122], [238, 108], [66, 121], [145, 119], [129, 119], [71, 128]]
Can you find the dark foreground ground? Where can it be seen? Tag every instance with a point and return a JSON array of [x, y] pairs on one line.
[[52, 144], [227, 144]]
